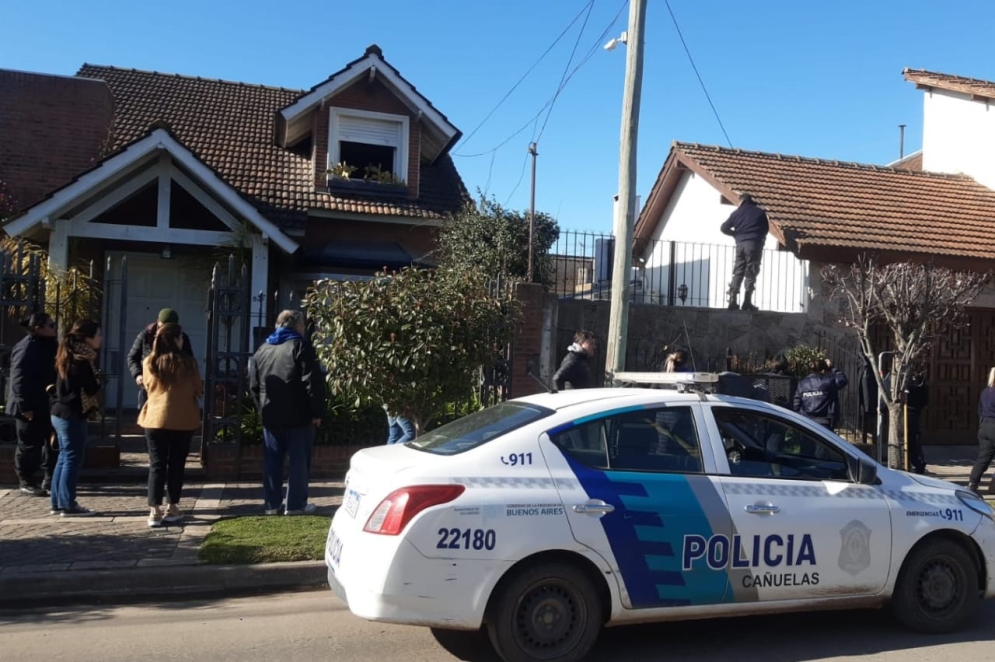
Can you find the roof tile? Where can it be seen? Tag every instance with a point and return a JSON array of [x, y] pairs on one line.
[[832, 203], [984, 89], [229, 125]]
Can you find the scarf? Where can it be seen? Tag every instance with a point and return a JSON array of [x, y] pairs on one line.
[[80, 351]]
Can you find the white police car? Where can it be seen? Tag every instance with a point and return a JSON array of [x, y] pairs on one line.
[[545, 518]]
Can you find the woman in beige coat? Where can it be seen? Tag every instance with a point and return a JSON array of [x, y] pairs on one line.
[[170, 416]]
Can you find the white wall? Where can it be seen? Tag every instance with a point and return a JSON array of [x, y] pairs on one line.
[[703, 257], [958, 135]]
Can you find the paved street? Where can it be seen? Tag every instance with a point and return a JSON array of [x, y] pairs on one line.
[[316, 626]]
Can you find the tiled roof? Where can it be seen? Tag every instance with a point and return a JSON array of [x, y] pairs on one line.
[[229, 126], [847, 205], [984, 89], [911, 162]]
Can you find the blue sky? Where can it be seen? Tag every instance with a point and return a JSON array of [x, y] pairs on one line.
[[820, 79]]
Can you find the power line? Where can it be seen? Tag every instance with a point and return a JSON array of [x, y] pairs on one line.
[[566, 70], [534, 118], [530, 69], [693, 66]]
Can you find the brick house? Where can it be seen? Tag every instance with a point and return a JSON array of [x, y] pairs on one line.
[[935, 205], [170, 170]]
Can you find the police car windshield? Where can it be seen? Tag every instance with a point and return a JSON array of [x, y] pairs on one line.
[[479, 428]]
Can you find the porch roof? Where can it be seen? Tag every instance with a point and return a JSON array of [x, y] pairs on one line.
[[117, 167], [841, 206]]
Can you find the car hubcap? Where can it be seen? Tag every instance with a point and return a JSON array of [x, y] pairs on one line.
[[548, 620], [938, 586]]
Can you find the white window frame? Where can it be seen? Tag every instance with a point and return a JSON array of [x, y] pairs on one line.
[[400, 151]]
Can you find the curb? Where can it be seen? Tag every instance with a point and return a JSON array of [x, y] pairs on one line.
[[159, 582]]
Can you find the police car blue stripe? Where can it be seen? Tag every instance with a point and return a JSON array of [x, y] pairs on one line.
[[653, 513]]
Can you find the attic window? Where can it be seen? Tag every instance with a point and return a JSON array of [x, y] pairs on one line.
[[369, 143]]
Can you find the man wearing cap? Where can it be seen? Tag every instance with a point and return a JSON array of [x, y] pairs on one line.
[[142, 347], [748, 225]]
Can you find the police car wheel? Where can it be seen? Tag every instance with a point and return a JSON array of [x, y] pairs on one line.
[[548, 612], [937, 589]]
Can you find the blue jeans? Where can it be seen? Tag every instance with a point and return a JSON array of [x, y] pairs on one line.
[[401, 429], [280, 443], [72, 447]]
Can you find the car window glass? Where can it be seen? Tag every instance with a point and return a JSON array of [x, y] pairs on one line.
[[479, 428], [758, 444], [662, 439]]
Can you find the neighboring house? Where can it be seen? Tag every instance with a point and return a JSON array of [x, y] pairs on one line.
[[936, 205], [186, 166]]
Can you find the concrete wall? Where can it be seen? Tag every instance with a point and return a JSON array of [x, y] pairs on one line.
[[958, 135]]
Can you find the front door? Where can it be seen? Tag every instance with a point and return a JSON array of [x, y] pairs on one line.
[[803, 528], [643, 492]]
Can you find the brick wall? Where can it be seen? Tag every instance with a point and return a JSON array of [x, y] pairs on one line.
[[530, 347], [51, 129], [375, 97], [220, 461]]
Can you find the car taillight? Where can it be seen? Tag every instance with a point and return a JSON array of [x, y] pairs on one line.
[[400, 506]]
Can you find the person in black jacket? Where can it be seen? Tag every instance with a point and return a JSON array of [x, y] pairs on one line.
[[986, 433], [916, 399], [749, 226], [574, 370], [32, 371], [142, 347], [73, 402], [289, 388], [817, 396]]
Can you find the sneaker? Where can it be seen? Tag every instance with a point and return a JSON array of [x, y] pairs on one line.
[[155, 518], [31, 490], [55, 511], [173, 515], [274, 511], [308, 509], [78, 511]]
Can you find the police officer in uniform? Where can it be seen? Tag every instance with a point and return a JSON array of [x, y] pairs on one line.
[[817, 396]]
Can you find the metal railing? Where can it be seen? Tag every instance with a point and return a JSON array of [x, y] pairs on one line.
[[674, 273]]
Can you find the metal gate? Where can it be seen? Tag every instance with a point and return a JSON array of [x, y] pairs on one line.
[[226, 383], [22, 292]]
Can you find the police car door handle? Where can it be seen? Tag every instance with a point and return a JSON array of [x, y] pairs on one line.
[[594, 507], [763, 509]]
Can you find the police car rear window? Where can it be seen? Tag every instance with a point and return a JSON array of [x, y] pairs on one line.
[[479, 428]]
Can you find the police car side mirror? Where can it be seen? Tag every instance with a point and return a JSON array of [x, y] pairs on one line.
[[863, 471]]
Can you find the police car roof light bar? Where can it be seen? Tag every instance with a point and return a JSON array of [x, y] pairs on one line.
[[667, 378]]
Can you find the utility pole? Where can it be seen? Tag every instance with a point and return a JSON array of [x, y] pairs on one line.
[[532, 209], [618, 321]]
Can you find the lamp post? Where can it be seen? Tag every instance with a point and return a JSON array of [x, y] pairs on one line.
[[625, 219]]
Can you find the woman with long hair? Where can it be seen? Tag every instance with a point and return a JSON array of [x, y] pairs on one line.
[[170, 416], [986, 433], [73, 402]]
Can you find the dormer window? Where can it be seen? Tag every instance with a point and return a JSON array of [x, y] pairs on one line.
[[369, 144]]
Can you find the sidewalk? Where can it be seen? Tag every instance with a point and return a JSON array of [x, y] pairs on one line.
[[40, 550]]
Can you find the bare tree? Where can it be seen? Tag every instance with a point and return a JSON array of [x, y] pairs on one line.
[[916, 303]]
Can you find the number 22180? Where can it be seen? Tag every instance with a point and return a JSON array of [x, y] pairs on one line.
[[477, 539]]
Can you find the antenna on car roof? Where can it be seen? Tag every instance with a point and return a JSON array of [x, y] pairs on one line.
[[530, 371]]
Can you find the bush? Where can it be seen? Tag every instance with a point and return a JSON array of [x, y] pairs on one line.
[[800, 356]]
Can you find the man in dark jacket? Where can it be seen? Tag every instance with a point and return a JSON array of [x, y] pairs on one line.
[[916, 399], [289, 388], [818, 396], [142, 347], [749, 226], [574, 370], [32, 371]]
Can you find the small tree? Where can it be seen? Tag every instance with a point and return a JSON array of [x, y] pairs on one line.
[[489, 238], [413, 340], [916, 303]]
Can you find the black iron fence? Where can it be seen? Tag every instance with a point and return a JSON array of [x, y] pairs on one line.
[[674, 273]]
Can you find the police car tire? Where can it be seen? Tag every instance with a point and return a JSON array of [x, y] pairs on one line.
[[568, 582], [949, 557]]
